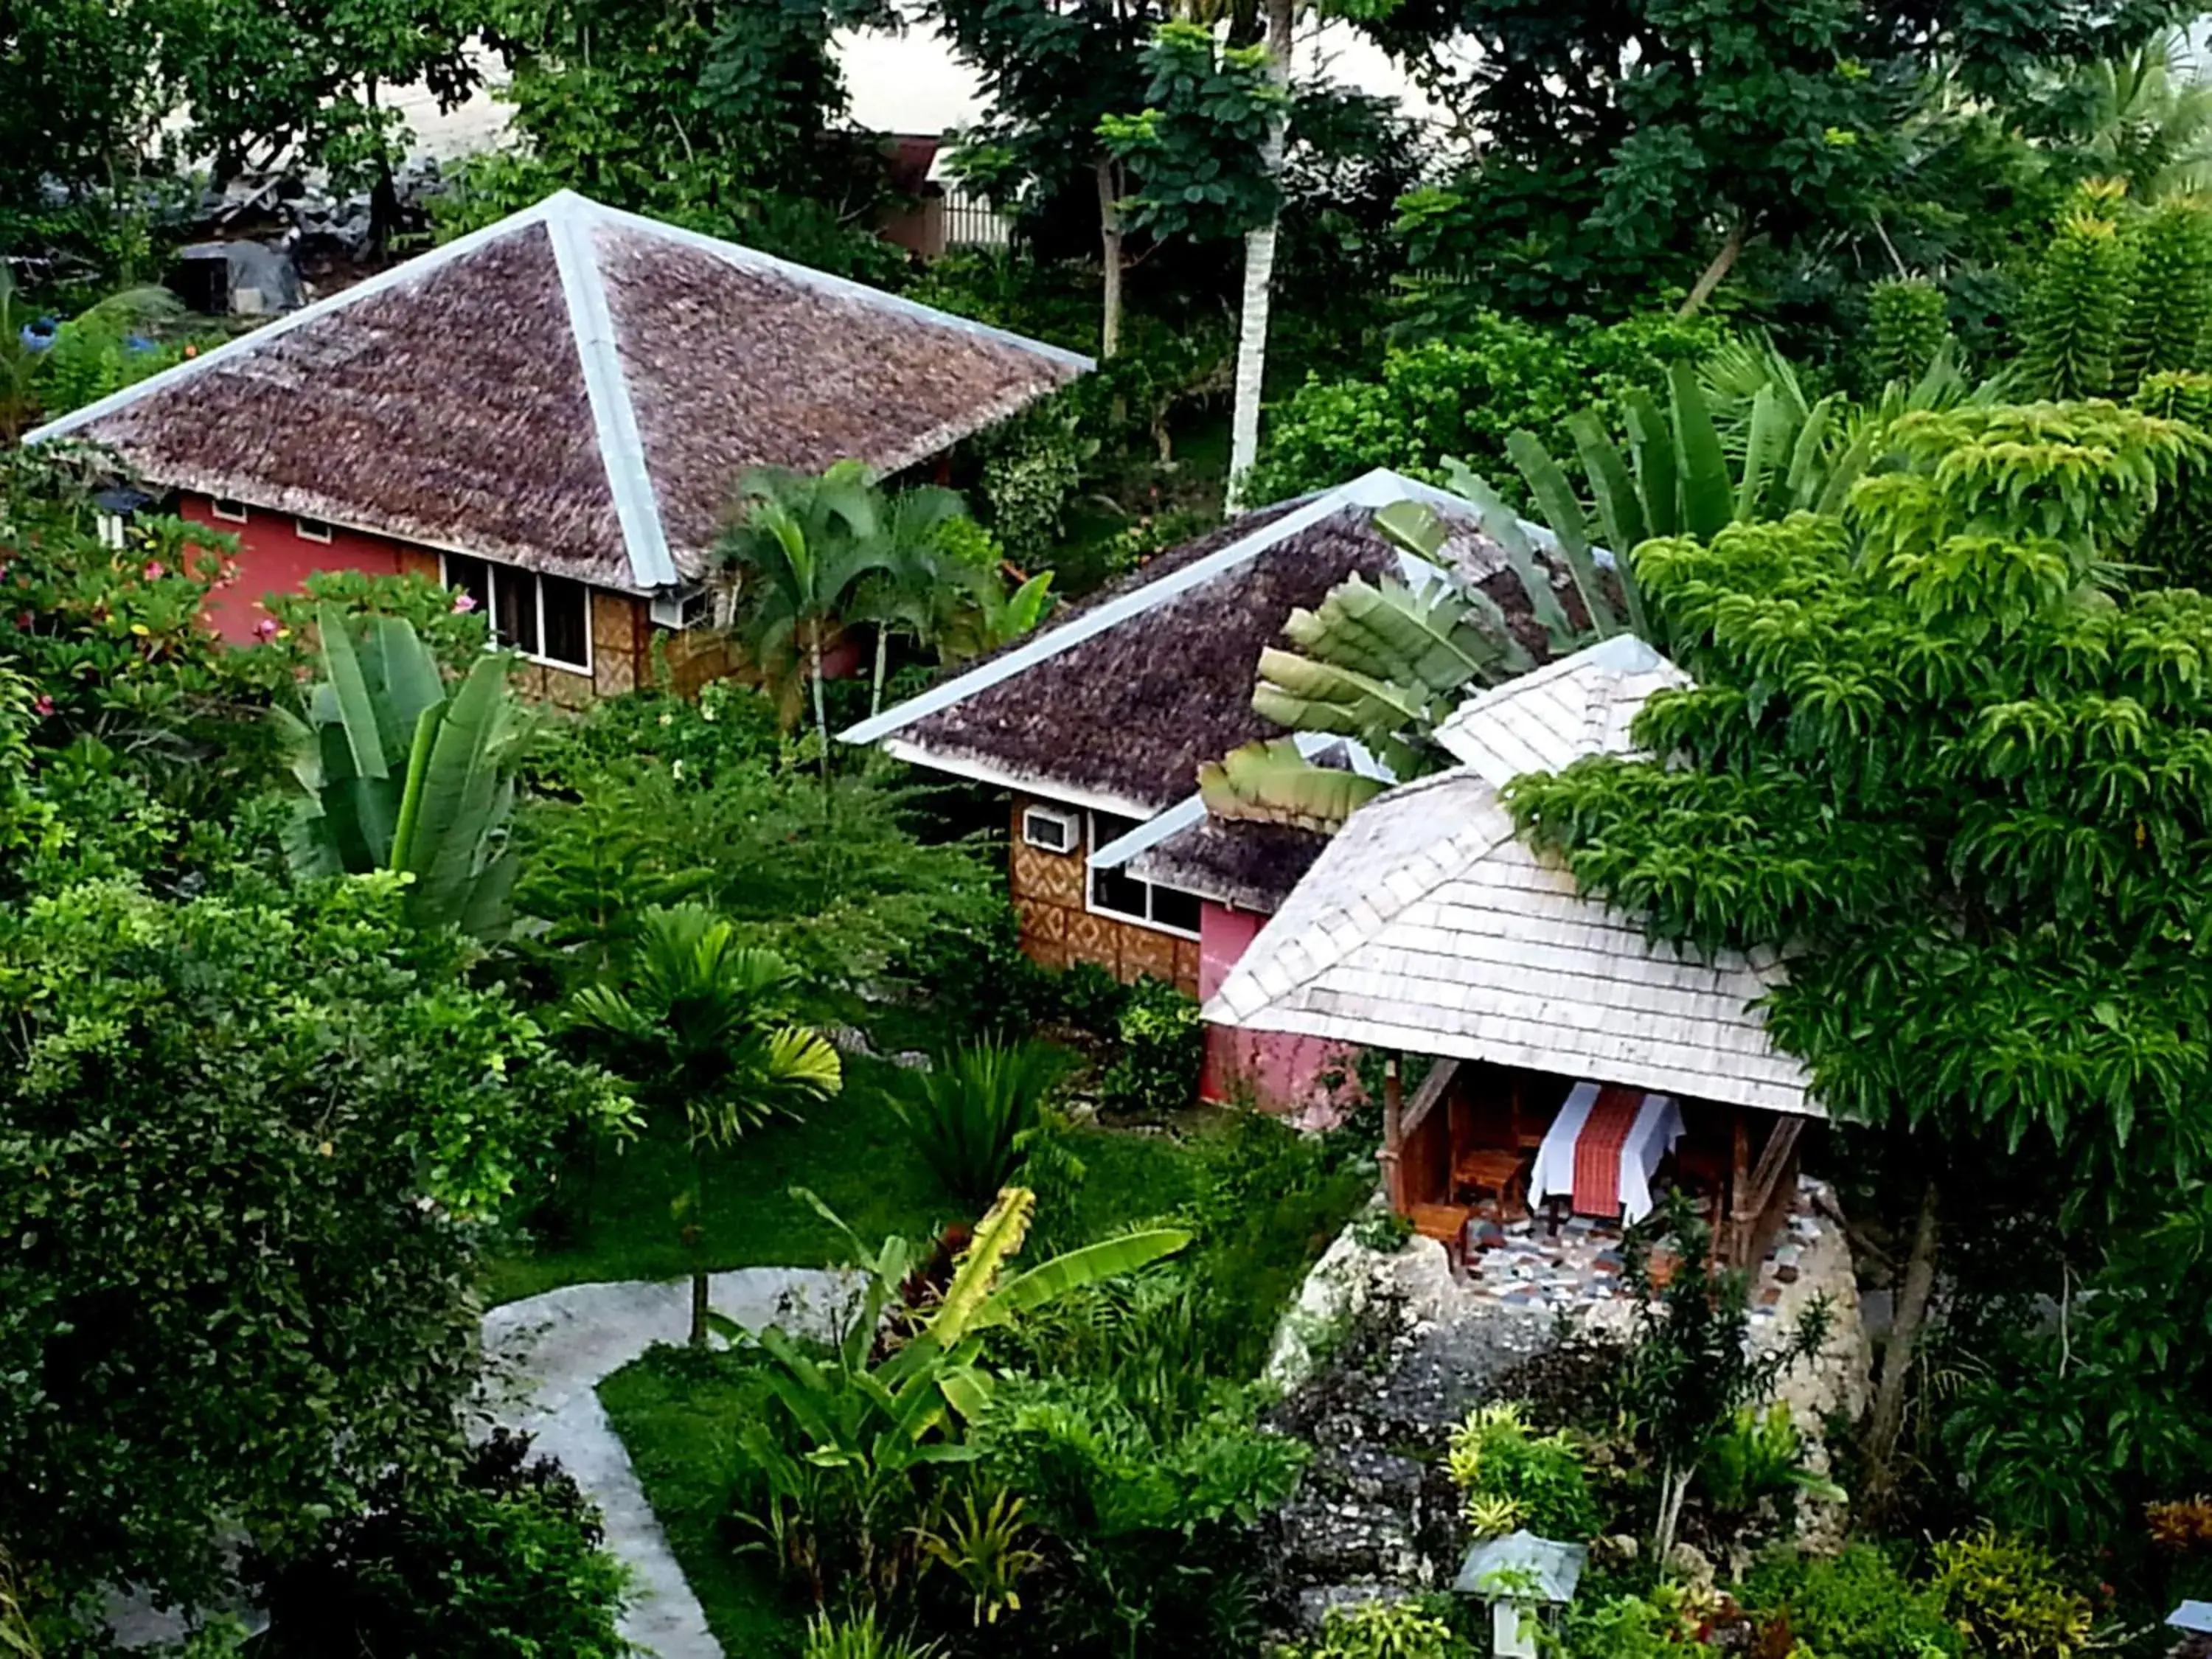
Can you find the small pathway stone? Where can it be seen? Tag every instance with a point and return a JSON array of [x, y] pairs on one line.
[[548, 1355]]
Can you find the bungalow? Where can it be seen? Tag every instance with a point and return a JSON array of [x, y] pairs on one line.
[[1571, 1055], [550, 414], [1096, 725]]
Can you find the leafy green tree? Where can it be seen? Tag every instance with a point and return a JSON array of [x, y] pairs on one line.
[[81, 107], [1692, 1367], [1931, 755], [908, 591], [702, 1025], [1632, 146], [1052, 71], [399, 775], [247, 1144], [1206, 151], [264, 80], [726, 116], [835, 1470]]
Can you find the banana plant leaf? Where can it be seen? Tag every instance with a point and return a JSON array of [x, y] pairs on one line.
[[1620, 515], [1708, 501], [457, 830], [1652, 447], [1302, 695], [1503, 526], [1767, 445], [1274, 783], [1074, 1269], [1555, 497]]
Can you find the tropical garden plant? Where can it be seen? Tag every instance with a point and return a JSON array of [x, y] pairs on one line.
[[703, 1027], [971, 1111], [397, 773], [840, 1465]]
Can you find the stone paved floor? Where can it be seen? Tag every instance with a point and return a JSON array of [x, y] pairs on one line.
[[1523, 1264], [548, 1353]]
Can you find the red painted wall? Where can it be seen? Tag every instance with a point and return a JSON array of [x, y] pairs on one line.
[[273, 558], [1273, 1071]]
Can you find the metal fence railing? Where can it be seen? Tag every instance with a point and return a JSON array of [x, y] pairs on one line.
[[971, 222]]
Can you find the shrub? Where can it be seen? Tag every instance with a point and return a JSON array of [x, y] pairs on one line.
[[1463, 397], [970, 1114], [1163, 1044], [1853, 1606], [857, 1637], [1379, 1630], [1631, 1627], [2007, 1596], [1758, 1456], [1156, 1527], [507, 1561], [1510, 1478]]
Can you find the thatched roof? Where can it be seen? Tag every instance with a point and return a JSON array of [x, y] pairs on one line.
[[572, 389], [1253, 867], [1120, 701]]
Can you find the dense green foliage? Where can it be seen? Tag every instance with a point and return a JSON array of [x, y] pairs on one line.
[[244, 1138], [503, 1561], [1463, 394]]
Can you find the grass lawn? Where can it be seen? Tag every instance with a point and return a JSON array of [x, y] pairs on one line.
[[851, 1152], [676, 1423]]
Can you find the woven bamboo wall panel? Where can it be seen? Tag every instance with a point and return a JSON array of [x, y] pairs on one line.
[[1046, 878], [1047, 922]]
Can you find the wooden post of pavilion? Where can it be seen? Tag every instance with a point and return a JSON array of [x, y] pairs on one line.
[[1391, 1157]]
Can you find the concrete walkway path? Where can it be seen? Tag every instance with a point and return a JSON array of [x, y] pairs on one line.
[[547, 1355]]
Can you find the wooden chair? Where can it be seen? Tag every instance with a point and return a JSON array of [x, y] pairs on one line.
[[1503, 1174], [1446, 1224]]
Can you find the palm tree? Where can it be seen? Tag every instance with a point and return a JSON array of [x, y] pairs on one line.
[[1259, 270], [904, 592], [701, 1024], [791, 568], [2150, 119]]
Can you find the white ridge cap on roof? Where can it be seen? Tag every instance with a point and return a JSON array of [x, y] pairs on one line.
[[622, 448], [1377, 489], [1546, 719], [570, 219]]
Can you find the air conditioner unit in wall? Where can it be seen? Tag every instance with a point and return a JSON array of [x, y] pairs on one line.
[[688, 608], [1051, 829]]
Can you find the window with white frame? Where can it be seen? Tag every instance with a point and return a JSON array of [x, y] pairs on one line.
[[1118, 894], [311, 530], [228, 511], [546, 618]]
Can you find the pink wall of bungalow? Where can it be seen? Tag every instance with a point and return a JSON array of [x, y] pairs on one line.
[[1309, 1078]]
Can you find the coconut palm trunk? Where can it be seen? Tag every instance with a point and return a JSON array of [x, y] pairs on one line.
[[1259, 274], [821, 708], [1109, 244]]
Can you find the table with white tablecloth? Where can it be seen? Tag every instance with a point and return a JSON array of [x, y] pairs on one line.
[[1657, 1127]]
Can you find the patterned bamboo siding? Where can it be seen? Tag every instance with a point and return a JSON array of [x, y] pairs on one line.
[[623, 649], [1058, 931]]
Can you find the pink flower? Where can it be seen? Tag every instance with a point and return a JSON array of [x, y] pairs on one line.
[[265, 629], [44, 706], [153, 571], [464, 602]]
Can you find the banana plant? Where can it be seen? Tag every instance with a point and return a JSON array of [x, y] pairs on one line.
[[397, 773], [1274, 782]]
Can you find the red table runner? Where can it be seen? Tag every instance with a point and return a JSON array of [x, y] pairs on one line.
[[1597, 1150]]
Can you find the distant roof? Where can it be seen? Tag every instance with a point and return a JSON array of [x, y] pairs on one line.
[[573, 389], [1426, 925], [1120, 700]]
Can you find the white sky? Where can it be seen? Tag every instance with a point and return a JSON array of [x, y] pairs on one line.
[[910, 83]]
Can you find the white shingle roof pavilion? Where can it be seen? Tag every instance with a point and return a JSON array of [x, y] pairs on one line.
[[1427, 926]]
